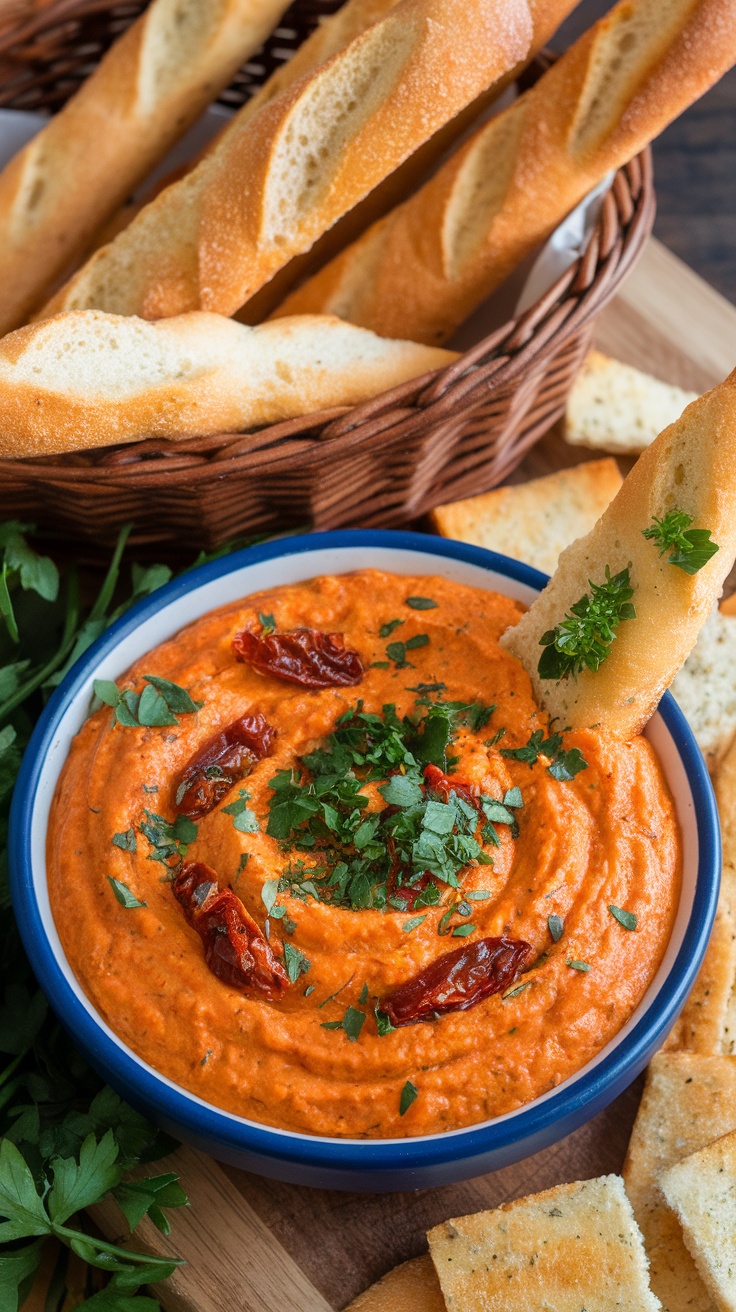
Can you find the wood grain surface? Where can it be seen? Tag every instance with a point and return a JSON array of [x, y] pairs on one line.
[[255, 1245]]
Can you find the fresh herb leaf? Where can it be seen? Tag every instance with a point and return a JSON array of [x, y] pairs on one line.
[[462, 931], [567, 764], [352, 1023], [244, 820], [295, 962], [176, 698], [388, 628], [556, 926], [414, 923], [126, 841], [409, 1094], [268, 624], [419, 640], [155, 707], [626, 918], [422, 603], [396, 652], [513, 798], [579, 965], [124, 895], [402, 790], [383, 1024], [690, 548], [536, 746], [363, 995], [583, 639], [514, 992]]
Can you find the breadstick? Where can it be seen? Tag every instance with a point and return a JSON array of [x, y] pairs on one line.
[[422, 270], [270, 188], [149, 88], [88, 379], [691, 468]]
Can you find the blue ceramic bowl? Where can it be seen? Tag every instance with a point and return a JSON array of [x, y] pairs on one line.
[[412, 1163]]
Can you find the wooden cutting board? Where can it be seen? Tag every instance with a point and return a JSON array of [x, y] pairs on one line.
[[254, 1245]]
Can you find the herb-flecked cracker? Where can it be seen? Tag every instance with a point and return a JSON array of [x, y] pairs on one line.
[[689, 1100], [701, 1190], [705, 687], [573, 1247], [656, 608], [725, 785], [704, 1021], [411, 1287]]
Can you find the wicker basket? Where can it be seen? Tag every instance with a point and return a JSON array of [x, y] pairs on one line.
[[382, 463]]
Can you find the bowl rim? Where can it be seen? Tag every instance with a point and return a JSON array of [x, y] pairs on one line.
[[206, 1121]]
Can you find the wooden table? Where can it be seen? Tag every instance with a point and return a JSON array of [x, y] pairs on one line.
[[254, 1245]]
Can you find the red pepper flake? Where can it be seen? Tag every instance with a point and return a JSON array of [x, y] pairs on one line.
[[225, 759], [457, 980], [306, 657], [235, 949]]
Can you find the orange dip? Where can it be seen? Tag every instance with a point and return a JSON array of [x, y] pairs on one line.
[[607, 838]]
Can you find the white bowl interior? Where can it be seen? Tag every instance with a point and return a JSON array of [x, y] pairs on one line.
[[168, 620]]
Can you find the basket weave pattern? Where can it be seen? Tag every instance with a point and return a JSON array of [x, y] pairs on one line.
[[382, 463]]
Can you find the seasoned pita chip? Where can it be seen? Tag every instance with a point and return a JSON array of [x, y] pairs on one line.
[[614, 407], [573, 1247], [706, 687], [705, 1018], [701, 1190], [411, 1287], [601, 664], [688, 1101], [534, 521]]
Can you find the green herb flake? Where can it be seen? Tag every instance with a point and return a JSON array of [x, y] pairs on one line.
[[267, 623], [422, 603], [380, 665], [244, 820], [514, 992], [295, 962], [583, 639], [125, 841], [690, 548], [383, 1024], [419, 640], [414, 923], [625, 918], [309, 990], [363, 996], [556, 926], [388, 628], [462, 931], [409, 1094], [579, 965], [513, 798], [124, 895]]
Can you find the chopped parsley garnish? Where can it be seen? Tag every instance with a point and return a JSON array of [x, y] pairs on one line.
[[126, 841], [396, 652], [168, 838], [414, 923], [422, 603], [625, 918], [583, 639], [244, 820], [387, 629], [409, 1094], [564, 765], [363, 995], [268, 624], [399, 858], [579, 965], [383, 1024], [556, 927], [690, 548], [352, 1023], [295, 962], [158, 705], [462, 931], [123, 894]]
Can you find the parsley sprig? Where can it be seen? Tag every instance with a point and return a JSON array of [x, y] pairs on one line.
[[583, 639], [690, 548], [564, 765]]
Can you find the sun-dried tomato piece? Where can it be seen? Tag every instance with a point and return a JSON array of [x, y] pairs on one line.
[[235, 949], [457, 980], [225, 759], [304, 656], [444, 784]]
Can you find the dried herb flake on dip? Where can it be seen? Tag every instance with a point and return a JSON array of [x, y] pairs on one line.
[[370, 863]]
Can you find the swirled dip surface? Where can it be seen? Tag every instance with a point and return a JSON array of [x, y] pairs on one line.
[[607, 837]]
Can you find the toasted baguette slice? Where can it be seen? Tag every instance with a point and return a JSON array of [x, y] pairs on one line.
[[88, 379], [614, 407], [278, 180], [148, 89], [705, 687], [701, 1190], [570, 1248], [534, 521], [689, 1100], [692, 467], [411, 1287], [422, 270]]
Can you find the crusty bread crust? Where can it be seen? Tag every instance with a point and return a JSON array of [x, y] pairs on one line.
[[149, 88], [424, 268], [88, 379], [691, 466], [413, 1285], [269, 189]]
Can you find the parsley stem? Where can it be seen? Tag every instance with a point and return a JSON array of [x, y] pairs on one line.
[[12, 1067], [71, 622], [104, 597], [148, 1259]]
